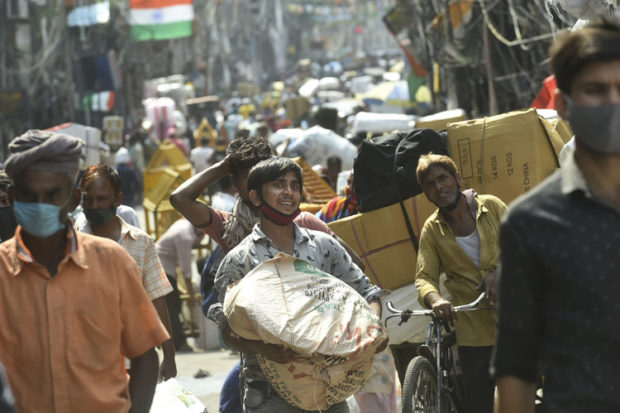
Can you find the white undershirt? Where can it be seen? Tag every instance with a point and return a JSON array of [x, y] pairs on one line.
[[471, 245]]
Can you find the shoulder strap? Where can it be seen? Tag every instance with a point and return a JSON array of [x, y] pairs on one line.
[[412, 236], [397, 172]]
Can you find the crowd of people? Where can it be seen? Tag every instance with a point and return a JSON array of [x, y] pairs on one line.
[[86, 296]]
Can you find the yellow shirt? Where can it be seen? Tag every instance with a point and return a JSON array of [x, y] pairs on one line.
[[439, 252]]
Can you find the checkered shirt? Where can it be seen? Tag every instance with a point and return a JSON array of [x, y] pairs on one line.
[[142, 249]]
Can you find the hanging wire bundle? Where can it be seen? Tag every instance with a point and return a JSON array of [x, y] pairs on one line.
[[490, 55]]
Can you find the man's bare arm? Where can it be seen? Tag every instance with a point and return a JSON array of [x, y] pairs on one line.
[[273, 352], [185, 198], [193, 300], [515, 395], [168, 364], [142, 381], [377, 307]]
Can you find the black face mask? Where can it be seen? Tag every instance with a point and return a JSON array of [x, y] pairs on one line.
[[98, 217], [7, 223], [453, 205]]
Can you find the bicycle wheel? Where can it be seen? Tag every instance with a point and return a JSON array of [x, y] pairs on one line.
[[420, 387], [448, 403]]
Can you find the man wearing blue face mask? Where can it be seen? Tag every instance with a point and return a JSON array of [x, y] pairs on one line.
[[71, 304], [560, 248]]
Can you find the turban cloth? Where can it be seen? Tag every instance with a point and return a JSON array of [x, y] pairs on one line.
[[48, 151]]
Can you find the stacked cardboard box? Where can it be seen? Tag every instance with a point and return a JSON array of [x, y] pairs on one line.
[[381, 239], [505, 155], [562, 128]]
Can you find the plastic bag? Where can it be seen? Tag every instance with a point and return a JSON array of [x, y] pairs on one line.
[[172, 397]]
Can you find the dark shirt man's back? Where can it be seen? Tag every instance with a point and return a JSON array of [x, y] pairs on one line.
[[559, 302], [130, 183]]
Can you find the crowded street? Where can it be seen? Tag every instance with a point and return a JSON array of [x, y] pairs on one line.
[[309, 206]]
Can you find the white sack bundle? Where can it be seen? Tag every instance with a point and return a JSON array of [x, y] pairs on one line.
[[286, 301], [319, 143]]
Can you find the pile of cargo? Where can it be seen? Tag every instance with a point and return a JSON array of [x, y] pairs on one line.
[[504, 155]]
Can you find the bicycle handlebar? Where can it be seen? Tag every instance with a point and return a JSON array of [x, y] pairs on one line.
[[470, 306], [461, 308]]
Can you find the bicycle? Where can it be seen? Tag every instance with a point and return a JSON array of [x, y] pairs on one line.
[[432, 380]]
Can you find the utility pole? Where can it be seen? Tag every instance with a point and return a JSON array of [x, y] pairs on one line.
[[68, 66], [3, 45], [493, 109]]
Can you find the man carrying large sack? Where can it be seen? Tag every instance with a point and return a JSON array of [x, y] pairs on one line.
[[275, 187]]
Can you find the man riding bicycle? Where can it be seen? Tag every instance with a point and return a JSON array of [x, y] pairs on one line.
[[461, 239]]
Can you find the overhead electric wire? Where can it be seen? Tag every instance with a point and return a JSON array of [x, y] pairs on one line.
[[519, 70], [515, 23], [501, 38]]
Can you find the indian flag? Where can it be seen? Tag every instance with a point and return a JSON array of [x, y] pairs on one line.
[[160, 19]]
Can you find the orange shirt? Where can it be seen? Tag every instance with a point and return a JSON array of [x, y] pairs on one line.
[[62, 339]]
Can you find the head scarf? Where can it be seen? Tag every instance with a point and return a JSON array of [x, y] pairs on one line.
[[43, 150], [240, 223], [338, 208]]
